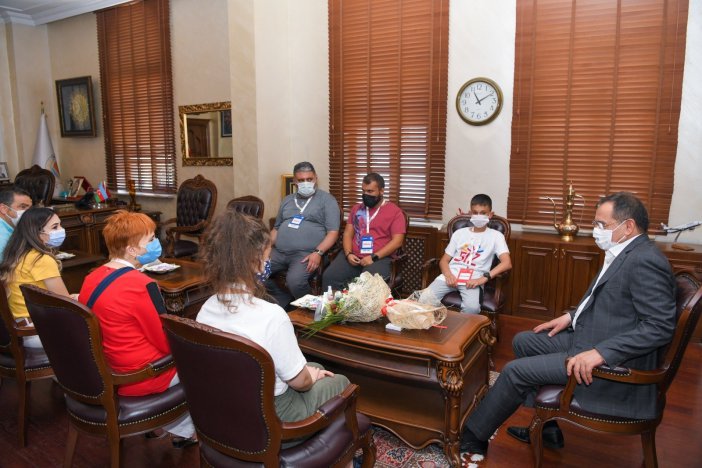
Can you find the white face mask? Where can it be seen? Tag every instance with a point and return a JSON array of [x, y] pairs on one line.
[[479, 221], [305, 189], [15, 221], [603, 237]]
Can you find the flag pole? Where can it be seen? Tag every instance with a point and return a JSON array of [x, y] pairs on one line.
[[42, 107]]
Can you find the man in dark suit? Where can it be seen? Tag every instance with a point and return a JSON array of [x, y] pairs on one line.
[[627, 314]]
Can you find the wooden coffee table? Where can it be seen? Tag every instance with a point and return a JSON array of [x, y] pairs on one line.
[[419, 384], [184, 289]]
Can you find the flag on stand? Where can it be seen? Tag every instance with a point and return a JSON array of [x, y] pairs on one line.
[[102, 193], [44, 155]]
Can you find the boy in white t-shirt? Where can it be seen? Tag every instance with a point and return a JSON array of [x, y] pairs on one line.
[[467, 261]]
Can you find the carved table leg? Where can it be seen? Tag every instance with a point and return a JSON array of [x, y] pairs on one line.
[[175, 302], [451, 381]]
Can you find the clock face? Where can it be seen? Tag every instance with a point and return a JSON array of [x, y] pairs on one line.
[[479, 101]]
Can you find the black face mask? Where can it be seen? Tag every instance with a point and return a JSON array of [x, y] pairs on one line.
[[370, 201]]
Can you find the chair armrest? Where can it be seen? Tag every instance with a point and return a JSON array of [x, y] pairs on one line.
[[187, 229], [615, 374], [429, 267], [25, 330], [152, 369], [324, 415]]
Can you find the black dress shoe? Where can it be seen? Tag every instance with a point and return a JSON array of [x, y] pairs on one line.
[[471, 444], [183, 442], [552, 437]]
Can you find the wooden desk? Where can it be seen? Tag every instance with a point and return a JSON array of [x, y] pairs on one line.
[[74, 270], [84, 227], [184, 289], [419, 384]]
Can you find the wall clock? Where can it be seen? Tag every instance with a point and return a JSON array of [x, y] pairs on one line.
[[479, 101]]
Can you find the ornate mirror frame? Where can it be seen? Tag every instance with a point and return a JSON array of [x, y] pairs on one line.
[[184, 111]]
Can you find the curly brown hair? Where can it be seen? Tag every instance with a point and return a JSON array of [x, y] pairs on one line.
[[233, 249]]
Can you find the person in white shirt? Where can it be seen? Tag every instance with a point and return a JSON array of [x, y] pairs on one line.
[[236, 250], [467, 261]]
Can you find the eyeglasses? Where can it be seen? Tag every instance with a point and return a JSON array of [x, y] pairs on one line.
[[601, 225]]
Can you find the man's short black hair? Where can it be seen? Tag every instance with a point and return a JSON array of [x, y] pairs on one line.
[[304, 166], [481, 199], [374, 177], [7, 196], [625, 205]]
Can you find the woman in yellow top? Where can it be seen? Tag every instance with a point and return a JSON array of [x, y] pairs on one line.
[[29, 259]]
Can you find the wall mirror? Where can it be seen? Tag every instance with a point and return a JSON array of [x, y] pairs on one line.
[[206, 134]]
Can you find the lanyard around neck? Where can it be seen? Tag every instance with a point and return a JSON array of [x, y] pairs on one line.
[[303, 206], [371, 218]]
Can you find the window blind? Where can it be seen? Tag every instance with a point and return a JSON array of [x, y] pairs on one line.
[[388, 73], [596, 101], [137, 96]]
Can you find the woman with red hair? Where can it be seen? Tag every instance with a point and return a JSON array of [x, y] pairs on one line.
[[127, 306]]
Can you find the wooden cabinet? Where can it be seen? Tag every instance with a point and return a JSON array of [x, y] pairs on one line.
[[550, 275]]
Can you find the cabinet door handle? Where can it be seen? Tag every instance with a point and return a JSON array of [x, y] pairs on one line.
[[555, 252], [563, 253]]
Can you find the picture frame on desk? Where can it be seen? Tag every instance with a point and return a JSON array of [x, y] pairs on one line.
[[75, 102], [4, 172], [79, 186]]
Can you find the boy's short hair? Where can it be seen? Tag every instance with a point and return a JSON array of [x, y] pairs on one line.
[[481, 199]]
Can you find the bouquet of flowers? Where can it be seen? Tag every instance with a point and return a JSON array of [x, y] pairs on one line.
[[362, 302], [421, 310]]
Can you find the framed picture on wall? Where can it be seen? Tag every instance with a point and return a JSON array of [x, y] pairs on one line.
[[4, 172], [225, 118], [288, 185], [75, 102]]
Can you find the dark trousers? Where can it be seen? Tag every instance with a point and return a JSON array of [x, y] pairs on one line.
[[297, 277], [540, 361], [340, 272]]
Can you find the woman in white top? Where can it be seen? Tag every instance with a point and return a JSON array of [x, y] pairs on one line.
[[236, 251]]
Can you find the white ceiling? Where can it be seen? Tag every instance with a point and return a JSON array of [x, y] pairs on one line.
[[36, 12]]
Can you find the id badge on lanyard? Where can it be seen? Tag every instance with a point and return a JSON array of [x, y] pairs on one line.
[[296, 221], [367, 244]]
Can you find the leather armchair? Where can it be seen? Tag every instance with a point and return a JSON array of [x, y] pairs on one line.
[[72, 340], [248, 204], [229, 381], [38, 182], [554, 402], [195, 205], [20, 363]]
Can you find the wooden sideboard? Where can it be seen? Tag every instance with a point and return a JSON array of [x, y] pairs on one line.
[[84, 227]]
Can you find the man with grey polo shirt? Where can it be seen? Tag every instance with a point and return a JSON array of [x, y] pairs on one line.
[[306, 227]]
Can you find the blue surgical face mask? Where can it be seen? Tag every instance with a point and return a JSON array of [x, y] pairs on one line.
[[153, 251], [263, 275], [56, 238]]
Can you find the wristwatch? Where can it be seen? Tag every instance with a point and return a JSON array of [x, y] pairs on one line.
[[375, 258], [317, 251], [487, 275]]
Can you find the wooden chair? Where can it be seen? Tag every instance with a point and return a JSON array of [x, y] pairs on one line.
[[39, 182], [493, 298], [72, 339], [20, 363], [554, 402], [248, 204], [229, 381], [195, 205]]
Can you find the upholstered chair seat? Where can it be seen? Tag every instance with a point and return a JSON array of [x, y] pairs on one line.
[[195, 205], [557, 402], [229, 378], [72, 339]]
